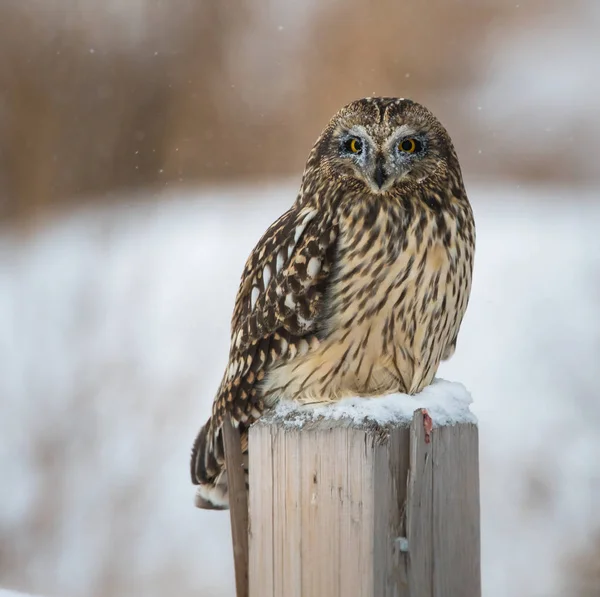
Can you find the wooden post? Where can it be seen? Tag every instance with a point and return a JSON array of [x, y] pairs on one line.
[[343, 509], [238, 505]]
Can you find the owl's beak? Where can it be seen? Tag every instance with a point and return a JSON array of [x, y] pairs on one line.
[[380, 175]]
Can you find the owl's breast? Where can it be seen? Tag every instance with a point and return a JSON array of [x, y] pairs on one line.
[[394, 305]]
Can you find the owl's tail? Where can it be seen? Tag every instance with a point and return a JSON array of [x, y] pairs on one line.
[[208, 469]]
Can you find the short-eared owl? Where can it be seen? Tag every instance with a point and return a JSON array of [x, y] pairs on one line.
[[360, 287]]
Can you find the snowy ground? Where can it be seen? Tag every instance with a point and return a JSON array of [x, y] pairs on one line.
[[113, 337]]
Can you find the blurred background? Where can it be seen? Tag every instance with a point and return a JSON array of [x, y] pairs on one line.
[[145, 145]]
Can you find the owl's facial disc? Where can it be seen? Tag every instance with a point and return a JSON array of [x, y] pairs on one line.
[[380, 162]]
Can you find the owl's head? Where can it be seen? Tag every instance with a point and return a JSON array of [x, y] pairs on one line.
[[384, 143]]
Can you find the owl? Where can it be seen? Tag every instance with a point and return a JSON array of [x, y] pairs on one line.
[[360, 288]]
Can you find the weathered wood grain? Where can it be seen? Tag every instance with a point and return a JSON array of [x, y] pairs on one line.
[[419, 509], [456, 534], [238, 505], [262, 499], [363, 510]]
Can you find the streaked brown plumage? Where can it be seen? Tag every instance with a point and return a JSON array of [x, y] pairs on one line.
[[360, 288]]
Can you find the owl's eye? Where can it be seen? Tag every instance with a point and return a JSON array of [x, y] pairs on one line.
[[410, 145], [353, 145]]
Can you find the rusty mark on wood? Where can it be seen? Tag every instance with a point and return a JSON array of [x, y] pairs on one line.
[[427, 425]]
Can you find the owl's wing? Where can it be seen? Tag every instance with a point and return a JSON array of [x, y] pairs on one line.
[[278, 304], [276, 317]]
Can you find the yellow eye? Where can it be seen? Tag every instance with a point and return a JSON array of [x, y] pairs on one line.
[[408, 145], [354, 145]]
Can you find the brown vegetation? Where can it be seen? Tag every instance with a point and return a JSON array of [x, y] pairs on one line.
[[94, 102]]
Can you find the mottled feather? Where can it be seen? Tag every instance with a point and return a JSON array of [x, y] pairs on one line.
[[272, 321]]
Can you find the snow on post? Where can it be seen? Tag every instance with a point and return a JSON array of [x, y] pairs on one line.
[[373, 497]]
